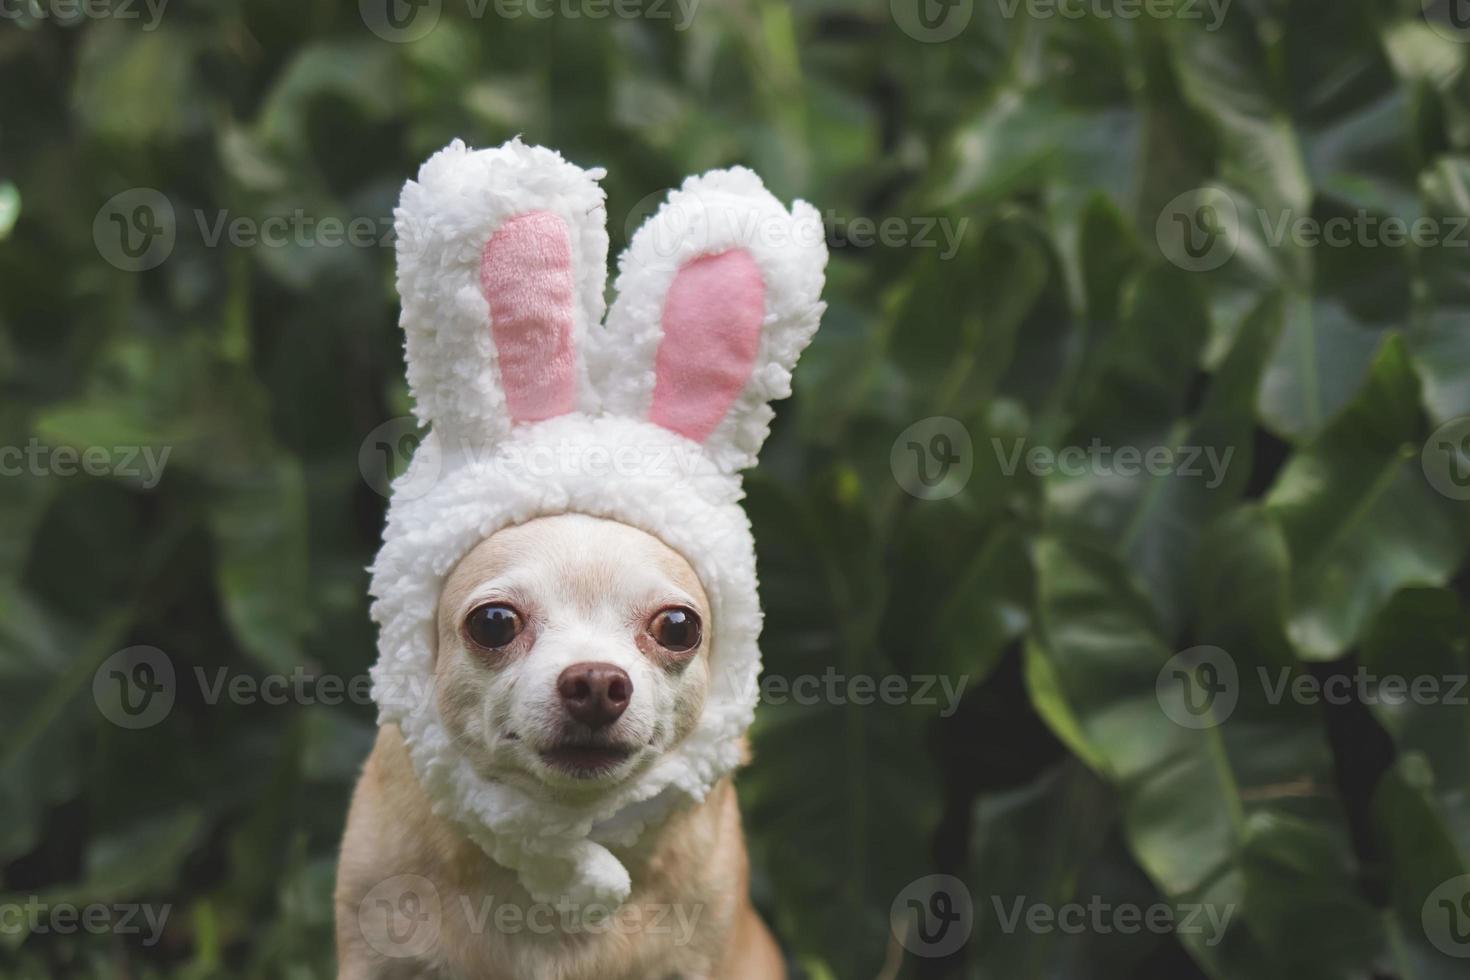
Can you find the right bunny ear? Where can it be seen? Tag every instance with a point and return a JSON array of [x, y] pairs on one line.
[[717, 296], [502, 262]]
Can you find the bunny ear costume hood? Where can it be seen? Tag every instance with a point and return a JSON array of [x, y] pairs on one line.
[[537, 408]]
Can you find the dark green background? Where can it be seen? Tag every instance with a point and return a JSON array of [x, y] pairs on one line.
[[1055, 144]]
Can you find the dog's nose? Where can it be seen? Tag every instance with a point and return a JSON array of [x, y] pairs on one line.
[[595, 694]]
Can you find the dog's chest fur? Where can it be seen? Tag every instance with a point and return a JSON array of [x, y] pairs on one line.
[[689, 876]]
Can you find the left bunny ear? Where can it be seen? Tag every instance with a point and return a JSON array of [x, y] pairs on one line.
[[717, 295], [502, 262]]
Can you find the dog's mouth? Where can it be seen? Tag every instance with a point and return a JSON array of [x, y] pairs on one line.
[[586, 760]]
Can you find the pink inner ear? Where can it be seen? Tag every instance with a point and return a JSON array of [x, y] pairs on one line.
[[526, 277], [712, 328]]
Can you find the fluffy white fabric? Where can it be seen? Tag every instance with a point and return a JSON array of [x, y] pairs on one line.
[[476, 473]]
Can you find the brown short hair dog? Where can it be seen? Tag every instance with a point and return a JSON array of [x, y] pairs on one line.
[[535, 708], [566, 593]]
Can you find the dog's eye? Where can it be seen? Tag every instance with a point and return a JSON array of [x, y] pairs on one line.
[[493, 625], [676, 628]]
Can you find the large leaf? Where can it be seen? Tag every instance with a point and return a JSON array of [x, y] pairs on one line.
[[1184, 467], [1030, 852], [1360, 517], [1440, 340], [259, 525], [1233, 767], [867, 816], [1416, 667]]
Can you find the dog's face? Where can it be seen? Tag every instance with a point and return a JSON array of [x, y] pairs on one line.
[[572, 653]]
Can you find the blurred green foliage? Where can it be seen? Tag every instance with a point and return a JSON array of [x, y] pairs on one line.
[[1034, 166]]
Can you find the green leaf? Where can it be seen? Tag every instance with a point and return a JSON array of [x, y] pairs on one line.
[[136, 88], [1196, 799], [1028, 851], [1150, 507], [9, 208], [1415, 656], [1227, 75], [1423, 859], [258, 519], [1359, 516], [838, 848], [361, 72], [1318, 365], [1439, 340]]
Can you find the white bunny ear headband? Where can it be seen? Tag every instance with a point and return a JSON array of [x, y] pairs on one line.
[[537, 408]]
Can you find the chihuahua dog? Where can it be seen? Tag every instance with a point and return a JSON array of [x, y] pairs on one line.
[[571, 653], [567, 598]]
